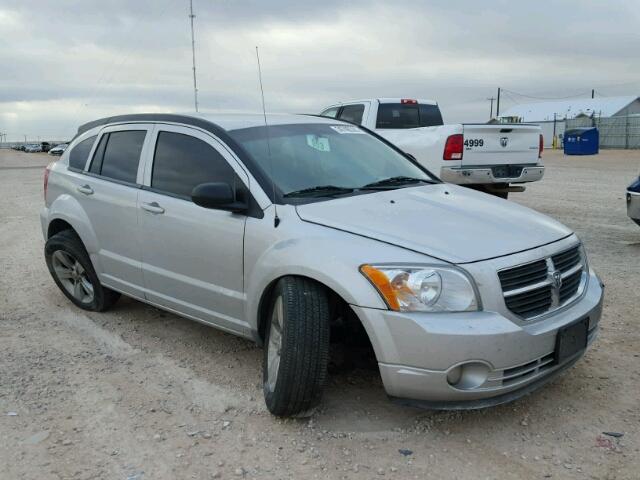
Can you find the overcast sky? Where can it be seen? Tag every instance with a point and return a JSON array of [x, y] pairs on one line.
[[65, 62]]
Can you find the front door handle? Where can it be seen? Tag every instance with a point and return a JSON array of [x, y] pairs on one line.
[[86, 189], [152, 207]]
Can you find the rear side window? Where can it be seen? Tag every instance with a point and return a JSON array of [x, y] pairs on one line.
[[352, 113], [181, 162], [118, 155], [79, 154], [398, 115]]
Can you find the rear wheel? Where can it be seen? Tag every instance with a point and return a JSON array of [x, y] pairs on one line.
[[72, 270], [296, 352]]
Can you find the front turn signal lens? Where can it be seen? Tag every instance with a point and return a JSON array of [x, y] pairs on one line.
[[382, 284]]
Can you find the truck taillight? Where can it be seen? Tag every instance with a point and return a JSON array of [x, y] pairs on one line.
[[453, 147], [408, 101], [540, 146]]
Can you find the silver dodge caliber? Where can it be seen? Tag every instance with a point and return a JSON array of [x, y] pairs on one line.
[[300, 232]]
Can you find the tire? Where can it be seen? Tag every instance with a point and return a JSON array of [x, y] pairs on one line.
[[73, 272], [293, 381]]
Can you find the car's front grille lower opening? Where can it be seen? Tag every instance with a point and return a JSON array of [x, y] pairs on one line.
[[542, 286], [517, 374]]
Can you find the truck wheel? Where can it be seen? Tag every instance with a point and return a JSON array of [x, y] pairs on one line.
[[72, 270], [296, 352]]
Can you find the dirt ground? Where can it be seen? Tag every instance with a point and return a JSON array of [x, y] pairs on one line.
[[138, 394]]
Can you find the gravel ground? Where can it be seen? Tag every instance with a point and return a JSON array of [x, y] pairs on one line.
[[137, 393]]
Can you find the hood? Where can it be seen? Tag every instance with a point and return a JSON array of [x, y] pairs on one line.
[[449, 222]]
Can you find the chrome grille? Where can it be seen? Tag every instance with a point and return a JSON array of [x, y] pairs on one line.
[[542, 286]]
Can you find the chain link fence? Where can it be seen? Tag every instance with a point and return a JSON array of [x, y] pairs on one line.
[[615, 132]]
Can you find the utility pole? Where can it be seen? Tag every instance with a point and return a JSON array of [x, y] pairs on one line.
[[193, 56], [491, 108], [593, 93], [498, 104]]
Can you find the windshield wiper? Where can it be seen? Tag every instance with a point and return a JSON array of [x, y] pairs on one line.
[[394, 182], [319, 191]]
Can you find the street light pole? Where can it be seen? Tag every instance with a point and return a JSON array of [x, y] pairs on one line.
[[193, 56]]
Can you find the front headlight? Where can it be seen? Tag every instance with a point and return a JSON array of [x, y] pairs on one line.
[[423, 289]]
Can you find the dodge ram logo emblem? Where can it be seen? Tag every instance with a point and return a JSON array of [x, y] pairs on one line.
[[504, 141], [556, 277]]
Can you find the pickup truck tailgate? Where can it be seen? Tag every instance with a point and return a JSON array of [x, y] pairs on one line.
[[501, 144]]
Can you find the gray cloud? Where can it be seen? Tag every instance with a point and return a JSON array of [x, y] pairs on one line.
[[70, 61]]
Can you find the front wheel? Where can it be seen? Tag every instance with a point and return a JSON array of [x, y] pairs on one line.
[[296, 352]]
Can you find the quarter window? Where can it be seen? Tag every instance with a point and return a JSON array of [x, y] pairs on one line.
[[181, 162], [79, 153], [352, 113], [118, 155], [331, 112]]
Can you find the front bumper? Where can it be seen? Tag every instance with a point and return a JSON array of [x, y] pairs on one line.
[[633, 206], [417, 351], [484, 175]]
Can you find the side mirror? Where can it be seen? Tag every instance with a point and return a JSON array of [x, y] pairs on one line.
[[218, 196]]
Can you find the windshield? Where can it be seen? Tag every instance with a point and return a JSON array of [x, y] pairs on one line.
[[307, 156]]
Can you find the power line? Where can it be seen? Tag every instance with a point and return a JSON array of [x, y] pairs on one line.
[[547, 98]]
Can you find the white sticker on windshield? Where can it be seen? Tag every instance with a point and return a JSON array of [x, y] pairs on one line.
[[346, 129], [319, 143]]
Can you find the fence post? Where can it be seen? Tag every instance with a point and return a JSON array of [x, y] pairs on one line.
[[626, 130]]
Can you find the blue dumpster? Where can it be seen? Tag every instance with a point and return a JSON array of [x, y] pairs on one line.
[[581, 141]]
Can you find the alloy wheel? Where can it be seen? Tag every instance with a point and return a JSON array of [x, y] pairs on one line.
[[72, 276]]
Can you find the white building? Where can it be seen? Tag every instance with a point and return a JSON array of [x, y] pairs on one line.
[[542, 113]]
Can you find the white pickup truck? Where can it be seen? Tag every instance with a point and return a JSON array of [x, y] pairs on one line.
[[489, 157]]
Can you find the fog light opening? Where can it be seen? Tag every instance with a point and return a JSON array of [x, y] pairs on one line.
[[468, 375], [454, 375]]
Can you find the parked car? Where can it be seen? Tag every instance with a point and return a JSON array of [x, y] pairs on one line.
[[33, 148], [496, 158], [309, 231], [58, 149], [17, 147], [45, 146], [633, 201]]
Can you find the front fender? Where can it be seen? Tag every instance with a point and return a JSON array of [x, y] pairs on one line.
[[329, 256]]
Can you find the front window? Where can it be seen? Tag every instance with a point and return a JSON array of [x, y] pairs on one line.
[[352, 113], [299, 157]]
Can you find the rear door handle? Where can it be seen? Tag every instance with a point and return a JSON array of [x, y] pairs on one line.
[[86, 189], [152, 207]]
